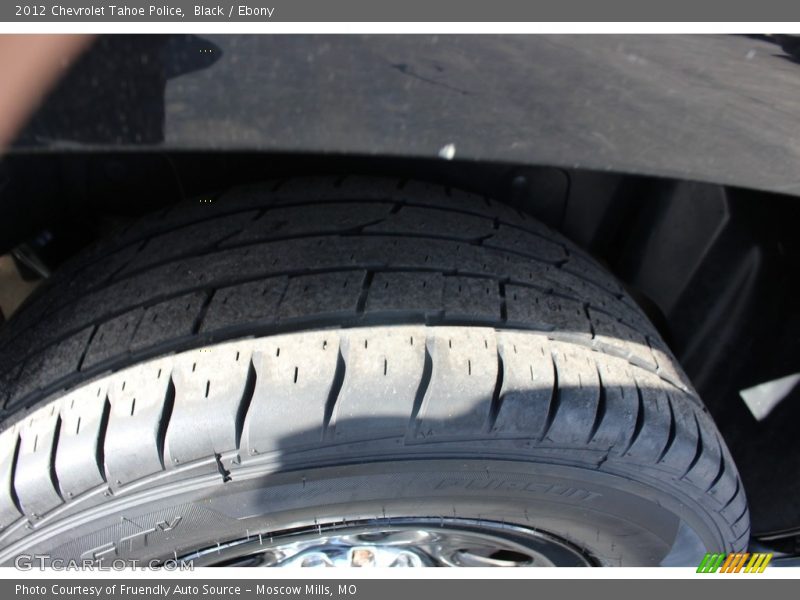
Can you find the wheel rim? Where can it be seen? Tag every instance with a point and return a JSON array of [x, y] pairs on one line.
[[397, 543]]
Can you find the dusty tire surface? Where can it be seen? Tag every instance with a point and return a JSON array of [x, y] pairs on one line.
[[323, 351]]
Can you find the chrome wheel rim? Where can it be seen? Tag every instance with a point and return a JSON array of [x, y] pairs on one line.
[[397, 543]]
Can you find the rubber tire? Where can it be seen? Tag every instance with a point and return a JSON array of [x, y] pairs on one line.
[[401, 350]]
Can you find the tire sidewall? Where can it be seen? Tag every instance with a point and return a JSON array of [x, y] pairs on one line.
[[615, 520]]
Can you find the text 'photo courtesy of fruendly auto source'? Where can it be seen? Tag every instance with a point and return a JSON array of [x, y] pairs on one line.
[[301, 285]]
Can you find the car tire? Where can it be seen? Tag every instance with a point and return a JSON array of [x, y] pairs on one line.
[[352, 359]]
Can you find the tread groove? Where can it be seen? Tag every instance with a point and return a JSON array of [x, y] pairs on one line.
[[244, 403], [52, 463], [86, 347], [12, 477], [497, 400], [600, 413], [100, 456], [698, 450], [720, 470], [740, 517], [735, 494], [671, 433], [639, 424], [333, 394], [163, 423], [362, 298], [553, 404], [201, 314], [422, 390]]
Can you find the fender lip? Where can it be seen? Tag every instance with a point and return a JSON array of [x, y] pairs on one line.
[[720, 109]]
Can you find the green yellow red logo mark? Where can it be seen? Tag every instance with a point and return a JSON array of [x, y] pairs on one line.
[[735, 562]]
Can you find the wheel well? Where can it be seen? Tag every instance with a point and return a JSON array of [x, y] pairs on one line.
[[712, 266]]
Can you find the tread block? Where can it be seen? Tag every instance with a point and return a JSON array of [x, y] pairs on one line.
[[578, 395], [9, 512], [620, 406], [140, 402], [463, 379], [550, 312], [707, 462], [384, 370], [295, 375], [210, 384], [341, 217], [416, 220], [227, 266], [472, 298], [171, 319], [8, 382], [51, 364], [329, 188], [253, 302], [111, 336], [683, 448], [725, 486], [620, 337], [654, 422], [34, 476], [406, 292], [83, 419], [589, 269], [528, 381], [326, 293], [191, 239], [431, 194], [525, 242], [98, 272], [667, 367], [736, 504]]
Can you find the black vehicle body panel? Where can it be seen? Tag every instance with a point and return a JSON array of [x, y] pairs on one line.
[[719, 109]]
